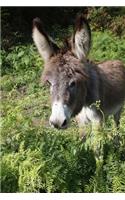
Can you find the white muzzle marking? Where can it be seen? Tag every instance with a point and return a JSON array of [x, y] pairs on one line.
[[60, 113]]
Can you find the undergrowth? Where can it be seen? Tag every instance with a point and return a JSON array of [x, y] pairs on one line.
[[37, 158]]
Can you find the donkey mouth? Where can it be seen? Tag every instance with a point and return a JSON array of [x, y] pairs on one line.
[[64, 125]]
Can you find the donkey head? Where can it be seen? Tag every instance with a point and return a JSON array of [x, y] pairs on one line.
[[65, 70]]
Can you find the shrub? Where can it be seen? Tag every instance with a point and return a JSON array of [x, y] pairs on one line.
[[107, 46]]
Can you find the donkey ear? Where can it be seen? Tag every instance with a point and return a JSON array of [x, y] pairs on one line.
[[44, 44], [81, 39]]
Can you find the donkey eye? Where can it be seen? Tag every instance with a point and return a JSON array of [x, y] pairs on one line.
[[72, 84], [48, 83]]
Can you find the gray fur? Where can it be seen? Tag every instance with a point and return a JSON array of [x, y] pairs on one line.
[[77, 84]]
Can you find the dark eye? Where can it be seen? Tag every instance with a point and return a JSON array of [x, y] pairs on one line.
[[48, 82], [72, 84]]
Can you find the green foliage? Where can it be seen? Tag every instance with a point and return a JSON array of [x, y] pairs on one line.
[[20, 59], [18, 20], [37, 158], [107, 46], [107, 18]]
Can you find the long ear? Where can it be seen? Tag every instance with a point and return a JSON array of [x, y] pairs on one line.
[[81, 39], [44, 44]]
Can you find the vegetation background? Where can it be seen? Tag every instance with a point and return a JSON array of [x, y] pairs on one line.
[[35, 157]]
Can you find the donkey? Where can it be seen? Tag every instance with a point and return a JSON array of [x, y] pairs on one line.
[[76, 84]]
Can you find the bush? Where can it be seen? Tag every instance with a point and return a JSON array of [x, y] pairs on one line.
[[107, 46], [107, 18], [57, 164]]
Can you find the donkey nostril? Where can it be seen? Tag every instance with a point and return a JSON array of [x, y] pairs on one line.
[[54, 125], [64, 123]]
